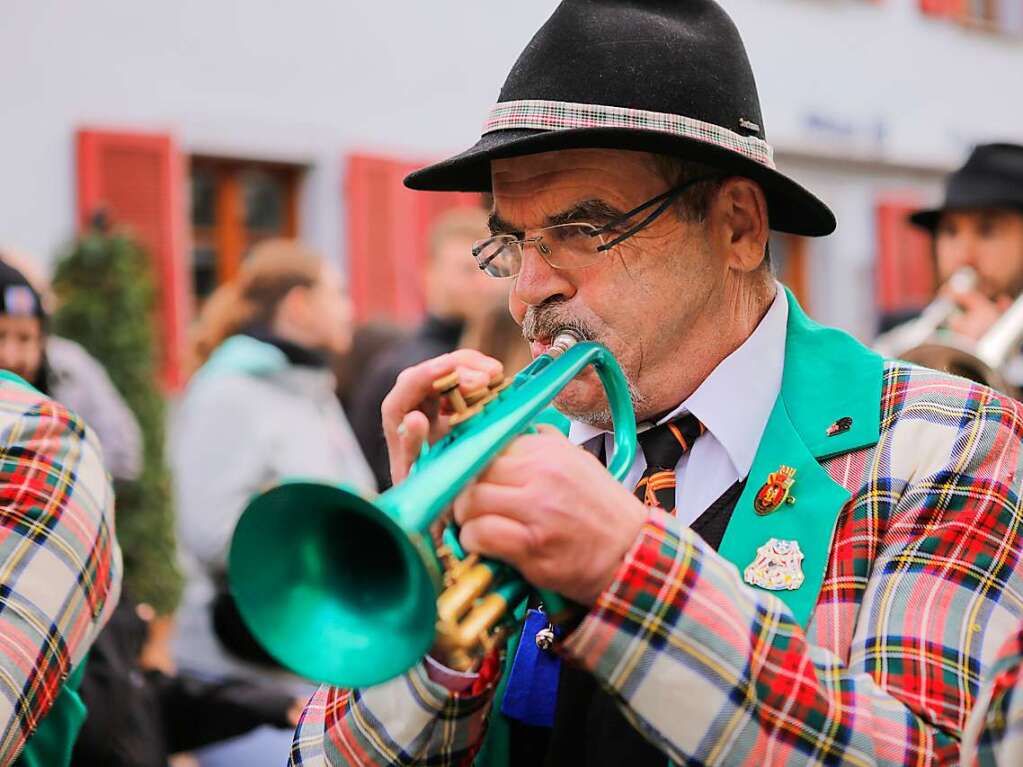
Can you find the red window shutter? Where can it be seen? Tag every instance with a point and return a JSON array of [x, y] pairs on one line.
[[905, 265], [951, 9], [138, 178], [387, 230]]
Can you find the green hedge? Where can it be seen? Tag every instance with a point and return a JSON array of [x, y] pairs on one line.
[[105, 295]]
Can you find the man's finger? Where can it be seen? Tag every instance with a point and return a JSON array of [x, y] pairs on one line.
[[414, 385], [408, 442], [483, 498], [497, 537]]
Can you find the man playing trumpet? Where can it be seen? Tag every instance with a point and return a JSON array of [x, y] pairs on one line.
[[978, 248], [820, 556]]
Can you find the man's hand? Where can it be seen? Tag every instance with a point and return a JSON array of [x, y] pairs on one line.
[[979, 313], [551, 510], [411, 411]]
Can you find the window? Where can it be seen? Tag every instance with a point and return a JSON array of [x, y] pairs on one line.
[[236, 204]]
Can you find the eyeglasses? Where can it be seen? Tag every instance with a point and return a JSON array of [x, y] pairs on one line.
[[570, 246]]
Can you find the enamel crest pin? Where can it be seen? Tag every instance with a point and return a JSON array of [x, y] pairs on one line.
[[778, 566], [775, 491]]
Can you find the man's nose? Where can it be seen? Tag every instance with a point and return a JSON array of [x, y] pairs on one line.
[[538, 281]]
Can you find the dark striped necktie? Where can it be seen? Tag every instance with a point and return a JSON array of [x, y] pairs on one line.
[[662, 447]]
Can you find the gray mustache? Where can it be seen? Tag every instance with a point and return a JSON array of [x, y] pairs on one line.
[[547, 321]]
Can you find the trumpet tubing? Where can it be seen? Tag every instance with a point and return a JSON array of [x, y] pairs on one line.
[[351, 591]]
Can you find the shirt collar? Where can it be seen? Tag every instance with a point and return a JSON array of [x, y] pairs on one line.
[[736, 399]]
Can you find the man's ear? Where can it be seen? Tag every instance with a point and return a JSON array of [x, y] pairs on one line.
[[741, 226]]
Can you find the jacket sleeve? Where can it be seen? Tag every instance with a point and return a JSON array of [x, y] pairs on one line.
[[61, 567], [409, 720], [220, 460], [716, 672], [994, 734]]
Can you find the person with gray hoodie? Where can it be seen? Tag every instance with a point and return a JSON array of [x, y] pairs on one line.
[[261, 408]]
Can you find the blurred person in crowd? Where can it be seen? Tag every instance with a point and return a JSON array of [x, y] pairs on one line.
[[59, 558], [497, 335], [370, 340], [139, 717], [456, 292], [260, 408], [64, 370]]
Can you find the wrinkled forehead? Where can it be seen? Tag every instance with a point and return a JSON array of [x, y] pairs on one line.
[[552, 179]]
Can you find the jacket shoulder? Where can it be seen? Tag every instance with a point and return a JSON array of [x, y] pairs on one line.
[[933, 421]]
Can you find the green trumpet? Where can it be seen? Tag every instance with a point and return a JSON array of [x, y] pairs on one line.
[[344, 589]]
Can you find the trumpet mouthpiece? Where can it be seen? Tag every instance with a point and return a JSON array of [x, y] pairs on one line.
[[564, 341], [964, 280]]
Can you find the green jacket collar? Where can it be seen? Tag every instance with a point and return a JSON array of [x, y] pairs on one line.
[[830, 381], [829, 375]]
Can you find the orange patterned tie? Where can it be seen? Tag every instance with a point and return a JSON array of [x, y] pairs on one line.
[[662, 447]]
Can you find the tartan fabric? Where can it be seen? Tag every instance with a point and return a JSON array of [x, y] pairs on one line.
[[60, 566], [994, 735], [922, 587], [538, 114], [663, 447]]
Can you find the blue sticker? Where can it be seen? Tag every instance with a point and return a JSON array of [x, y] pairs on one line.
[[532, 691]]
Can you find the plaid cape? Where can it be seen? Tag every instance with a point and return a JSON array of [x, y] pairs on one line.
[[60, 566], [922, 586]]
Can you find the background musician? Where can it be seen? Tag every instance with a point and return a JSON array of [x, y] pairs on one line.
[[823, 546], [980, 226]]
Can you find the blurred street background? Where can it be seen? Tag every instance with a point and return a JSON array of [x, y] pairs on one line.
[[206, 126]]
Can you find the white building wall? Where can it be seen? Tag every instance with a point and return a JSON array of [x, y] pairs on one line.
[[309, 80]]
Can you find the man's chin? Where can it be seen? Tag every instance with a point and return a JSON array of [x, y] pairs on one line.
[[584, 401]]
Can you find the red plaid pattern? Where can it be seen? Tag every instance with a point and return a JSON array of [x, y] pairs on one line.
[[922, 587], [537, 114], [59, 562]]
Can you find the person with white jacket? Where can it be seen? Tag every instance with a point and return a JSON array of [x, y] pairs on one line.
[[261, 408]]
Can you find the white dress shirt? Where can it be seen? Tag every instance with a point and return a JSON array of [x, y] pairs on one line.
[[733, 403]]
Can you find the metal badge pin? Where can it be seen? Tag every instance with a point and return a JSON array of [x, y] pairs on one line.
[[778, 566], [775, 491], [545, 637], [840, 426]]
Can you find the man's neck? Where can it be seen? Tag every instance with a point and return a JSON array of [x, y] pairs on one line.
[[739, 314]]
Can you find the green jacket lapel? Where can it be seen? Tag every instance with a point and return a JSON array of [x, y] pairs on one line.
[[828, 376]]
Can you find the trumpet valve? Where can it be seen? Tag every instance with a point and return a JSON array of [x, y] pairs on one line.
[[470, 582], [447, 388]]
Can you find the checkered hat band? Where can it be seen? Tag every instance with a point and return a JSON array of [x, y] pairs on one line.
[[560, 115]]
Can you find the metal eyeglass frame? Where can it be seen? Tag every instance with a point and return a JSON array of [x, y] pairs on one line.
[[662, 202]]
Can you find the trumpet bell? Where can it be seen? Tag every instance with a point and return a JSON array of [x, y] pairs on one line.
[[323, 558]]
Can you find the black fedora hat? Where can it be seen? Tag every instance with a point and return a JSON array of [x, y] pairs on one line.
[[664, 76], [992, 178]]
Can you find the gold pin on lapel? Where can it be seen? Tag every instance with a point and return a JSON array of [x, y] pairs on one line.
[[775, 491], [778, 566], [840, 426]]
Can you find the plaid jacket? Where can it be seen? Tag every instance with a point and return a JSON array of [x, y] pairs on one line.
[[60, 567], [994, 734], [921, 586]]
